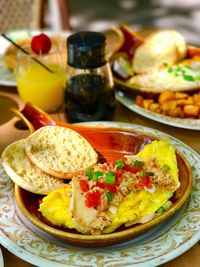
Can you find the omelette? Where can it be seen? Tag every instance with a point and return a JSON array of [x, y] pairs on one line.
[[133, 190]]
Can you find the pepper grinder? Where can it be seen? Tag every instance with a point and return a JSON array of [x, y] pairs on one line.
[[89, 94]]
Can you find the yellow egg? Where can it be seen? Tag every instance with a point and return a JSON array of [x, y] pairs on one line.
[[56, 207], [136, 206], [164, 153]]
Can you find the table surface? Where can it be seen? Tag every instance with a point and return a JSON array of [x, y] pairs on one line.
[[8, 97]]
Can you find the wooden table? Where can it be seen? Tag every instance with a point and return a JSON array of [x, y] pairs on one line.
[[8, 133]]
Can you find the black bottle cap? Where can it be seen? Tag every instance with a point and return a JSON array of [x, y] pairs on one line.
[[86, 50]]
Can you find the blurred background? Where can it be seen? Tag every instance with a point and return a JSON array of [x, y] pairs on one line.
[[182, 15]]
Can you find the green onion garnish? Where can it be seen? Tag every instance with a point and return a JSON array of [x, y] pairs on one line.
[[189, 78], [151, 174], [137, 163], [109, 178], [160, 210], [96, 175], [120, 164], [188, 67], [170, 69], [166, 167], [167, 204], [109, 196], [178, 68], [89, 173], [143, 173]]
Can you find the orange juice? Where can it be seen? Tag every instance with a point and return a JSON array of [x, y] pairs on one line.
[[41, 87]]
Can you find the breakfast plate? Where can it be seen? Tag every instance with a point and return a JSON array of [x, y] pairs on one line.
[[128, 101], [27, 243], [7, 77]]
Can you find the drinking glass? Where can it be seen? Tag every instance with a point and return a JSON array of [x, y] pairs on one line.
[[41, 78]]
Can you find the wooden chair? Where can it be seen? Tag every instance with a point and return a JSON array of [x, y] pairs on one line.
[[30, 14]]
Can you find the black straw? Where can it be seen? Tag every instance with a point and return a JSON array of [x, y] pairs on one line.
[[27, 53]]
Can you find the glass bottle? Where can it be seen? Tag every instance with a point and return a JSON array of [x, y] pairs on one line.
[[89, 94]]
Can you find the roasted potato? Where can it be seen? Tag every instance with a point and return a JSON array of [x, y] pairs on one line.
[[173, 104], [191, 111]]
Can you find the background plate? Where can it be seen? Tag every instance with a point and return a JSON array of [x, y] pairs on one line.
[[1, 259], [128, 101], [41, 251]]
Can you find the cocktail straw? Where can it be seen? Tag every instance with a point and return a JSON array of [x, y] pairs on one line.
[[25, 52]]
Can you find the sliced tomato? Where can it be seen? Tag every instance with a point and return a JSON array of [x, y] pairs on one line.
[[93, 199], [84, 185]]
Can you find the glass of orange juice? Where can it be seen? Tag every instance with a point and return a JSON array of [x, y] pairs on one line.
[[41, 84]]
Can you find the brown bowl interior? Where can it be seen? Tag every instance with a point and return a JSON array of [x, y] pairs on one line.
[[119, 142]]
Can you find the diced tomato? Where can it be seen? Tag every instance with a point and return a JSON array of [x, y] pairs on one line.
[[93, 199], [111, 164], [133, 169], [145, 182], [110, 187], [84, 185], [118, 176]]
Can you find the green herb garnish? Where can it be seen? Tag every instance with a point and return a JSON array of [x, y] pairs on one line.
[[160, 210], [151, 174], [143, 173], [137, 163], [109, 196], [89, 173], [166, 167], [164, 207], [188, 67], [189, 78], [120, 164], [109, 178], [167, 204], [96, 175], [176, 74], [170, 69], [181, 71], [178, 68]]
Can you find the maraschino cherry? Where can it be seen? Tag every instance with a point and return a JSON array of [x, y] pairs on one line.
[[41, 44]]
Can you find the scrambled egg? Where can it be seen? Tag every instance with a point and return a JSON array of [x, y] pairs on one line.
[[164, 153], [133, 208], [56, 207], [136, 206]]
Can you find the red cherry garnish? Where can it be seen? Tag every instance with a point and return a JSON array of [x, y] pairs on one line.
[[41, 44]]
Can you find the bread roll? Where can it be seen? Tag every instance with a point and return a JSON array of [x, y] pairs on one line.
[[60, 151], [25, 174]]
